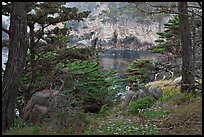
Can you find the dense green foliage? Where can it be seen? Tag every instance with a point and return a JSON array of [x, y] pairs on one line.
[[77, 74], [89, 81], [159, 49], [81, 73], [139, 71], [51, 61], [142, 103], [169, 39]]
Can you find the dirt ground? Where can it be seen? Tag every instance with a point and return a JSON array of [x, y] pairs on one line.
[[186, 120]]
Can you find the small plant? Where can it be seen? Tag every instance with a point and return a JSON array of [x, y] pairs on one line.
[[105, 110], [36, 130], [90, 132], [166, 98], [142, 103], [122, 128], [60, 114], [152, 114], [20, 123]]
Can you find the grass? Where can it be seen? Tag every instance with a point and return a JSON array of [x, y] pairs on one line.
[[184, 98], [153, 114], [121, 128], [100, 124], [142, 103]]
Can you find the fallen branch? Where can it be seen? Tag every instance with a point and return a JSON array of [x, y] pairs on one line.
[[61, 85]]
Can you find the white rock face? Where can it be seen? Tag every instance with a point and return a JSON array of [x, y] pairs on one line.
[[145, 32], [32, 12], [178, 80]]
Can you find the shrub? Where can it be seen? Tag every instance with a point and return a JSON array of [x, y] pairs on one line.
[[142, 103], [36, 130], [20, 123], [158, 49], [139, 70], [91, 86]]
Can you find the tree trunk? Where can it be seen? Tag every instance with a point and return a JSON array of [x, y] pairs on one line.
[[16, 60], [193, 50], [32, 53], [186, 45]]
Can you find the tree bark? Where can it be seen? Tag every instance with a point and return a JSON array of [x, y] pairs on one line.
[[16, 60], [186, 45], [32, 52]]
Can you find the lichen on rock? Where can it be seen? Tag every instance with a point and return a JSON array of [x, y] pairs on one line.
[[168, 86]]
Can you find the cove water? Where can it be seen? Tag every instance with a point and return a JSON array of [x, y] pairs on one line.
[[119, 60]]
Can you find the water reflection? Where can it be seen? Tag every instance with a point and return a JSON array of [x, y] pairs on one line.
[[119, 60]]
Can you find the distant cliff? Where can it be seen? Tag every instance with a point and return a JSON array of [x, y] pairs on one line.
[[108, 17]]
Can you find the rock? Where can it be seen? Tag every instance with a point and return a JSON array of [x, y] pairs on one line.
[[73, 24], [94, 42], [162, 75], [139, 94], [88, 35], [127, 88], [177, 80], [39, 98], [39, 104], [156, 92], [129, 39], [128, 97], [168, 86], [83, 43], [37, 113], [103, 43]]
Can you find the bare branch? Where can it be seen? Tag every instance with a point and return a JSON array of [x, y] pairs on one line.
[[62, 84]]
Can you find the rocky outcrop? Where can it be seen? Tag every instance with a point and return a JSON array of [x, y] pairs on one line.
[[49, 103], [39, 104], [131, 32], [168, 87], [130, 95], [59, 108], [178, 80], [156, 92]]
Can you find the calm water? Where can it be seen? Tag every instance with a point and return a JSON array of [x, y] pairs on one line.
[[119, 60], [111, 60]]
